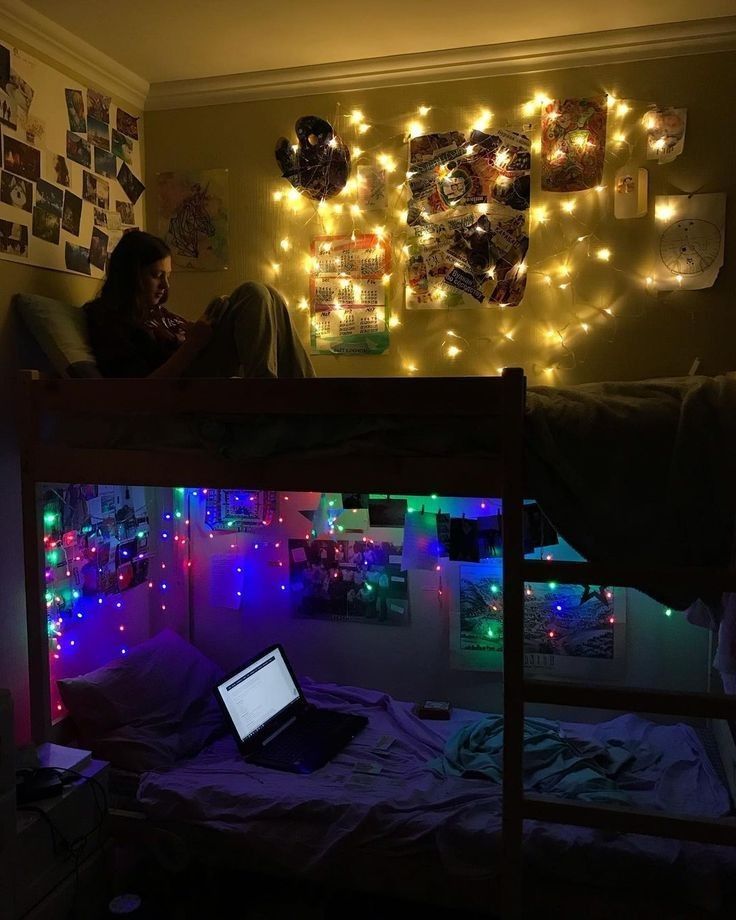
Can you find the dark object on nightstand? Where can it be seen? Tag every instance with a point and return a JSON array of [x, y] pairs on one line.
[[41, 783], [433, 709]]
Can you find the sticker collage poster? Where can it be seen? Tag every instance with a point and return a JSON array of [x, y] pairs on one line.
[[573, 144], [468, 219], [348, 287], [69, 185]]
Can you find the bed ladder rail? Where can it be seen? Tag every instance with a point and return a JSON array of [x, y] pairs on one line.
[[661, 702], [617, 818], [631, 820]]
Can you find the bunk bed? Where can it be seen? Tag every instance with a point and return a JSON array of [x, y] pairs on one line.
[[56, 448]]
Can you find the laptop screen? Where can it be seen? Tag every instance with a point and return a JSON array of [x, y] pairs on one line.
[[258, 692]]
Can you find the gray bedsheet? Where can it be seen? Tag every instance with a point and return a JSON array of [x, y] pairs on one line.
[[381, 815]]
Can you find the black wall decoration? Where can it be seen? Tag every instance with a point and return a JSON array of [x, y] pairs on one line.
[[319, 167]]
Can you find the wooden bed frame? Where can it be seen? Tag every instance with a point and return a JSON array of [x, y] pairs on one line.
[[482, 400]]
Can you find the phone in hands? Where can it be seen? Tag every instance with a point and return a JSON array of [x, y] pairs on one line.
[[216, 309]]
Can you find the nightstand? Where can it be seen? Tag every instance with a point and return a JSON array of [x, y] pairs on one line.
[[48, 878]]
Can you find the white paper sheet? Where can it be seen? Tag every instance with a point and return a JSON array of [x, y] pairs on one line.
[[689, 242]]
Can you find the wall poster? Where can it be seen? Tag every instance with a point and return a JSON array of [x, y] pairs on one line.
[[690, 240], [70, 167], [571, 630], [349, 309], [193, 218], [573, 144], [467, 219], [349, 580]]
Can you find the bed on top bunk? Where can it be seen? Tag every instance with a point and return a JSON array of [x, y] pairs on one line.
[[635, 476]]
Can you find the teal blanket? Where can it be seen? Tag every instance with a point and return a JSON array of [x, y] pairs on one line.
[[553, 764]]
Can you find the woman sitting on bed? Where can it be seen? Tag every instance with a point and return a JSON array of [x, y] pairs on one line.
[[132, 334]]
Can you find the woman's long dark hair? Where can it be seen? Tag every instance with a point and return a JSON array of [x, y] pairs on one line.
[[122, 289]]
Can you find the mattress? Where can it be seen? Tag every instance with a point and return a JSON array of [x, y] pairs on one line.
[[385, 816]]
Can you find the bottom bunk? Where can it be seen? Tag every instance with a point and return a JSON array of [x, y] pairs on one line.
[[411, 809]]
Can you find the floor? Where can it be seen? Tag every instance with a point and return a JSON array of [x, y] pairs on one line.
[[204, 893]]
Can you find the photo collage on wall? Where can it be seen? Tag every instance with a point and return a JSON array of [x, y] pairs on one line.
[[349, 580], [96, 543], [69, 185]]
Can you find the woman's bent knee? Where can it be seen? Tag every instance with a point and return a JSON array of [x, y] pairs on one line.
[[250, 292]]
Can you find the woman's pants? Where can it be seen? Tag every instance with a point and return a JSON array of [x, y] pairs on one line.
[[253, 337]]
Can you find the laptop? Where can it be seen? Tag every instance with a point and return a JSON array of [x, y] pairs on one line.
[[273, 723]]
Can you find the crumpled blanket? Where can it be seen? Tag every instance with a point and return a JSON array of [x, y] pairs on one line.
[[553, 763], [639, 472]]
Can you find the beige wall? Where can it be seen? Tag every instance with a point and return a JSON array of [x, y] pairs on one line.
[[15, 277], [652, 336]]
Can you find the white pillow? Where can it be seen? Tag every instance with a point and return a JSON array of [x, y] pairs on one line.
[[61, 331]]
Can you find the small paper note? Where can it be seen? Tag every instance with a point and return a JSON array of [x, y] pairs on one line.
[[227, 582]]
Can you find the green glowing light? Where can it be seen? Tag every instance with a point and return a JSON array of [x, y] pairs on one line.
[[494, 589], [49, 518], [668, 612], [140, 534], [181, 490], [53, 557], [433, 495], [552, 585], [490, 632], [177, 514]]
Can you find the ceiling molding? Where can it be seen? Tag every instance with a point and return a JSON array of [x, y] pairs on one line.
[[39, 33], [589, 49]]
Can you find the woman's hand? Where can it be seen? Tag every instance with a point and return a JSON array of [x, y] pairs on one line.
[[215, 309], [198, 334]]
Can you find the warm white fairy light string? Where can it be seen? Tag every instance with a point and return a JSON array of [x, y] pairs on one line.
[[562, 244]]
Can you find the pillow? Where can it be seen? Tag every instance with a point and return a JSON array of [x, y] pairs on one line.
[[161, 683], [61, 331]]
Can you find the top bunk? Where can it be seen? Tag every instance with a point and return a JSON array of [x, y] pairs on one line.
[[637, 476], [332, 433]]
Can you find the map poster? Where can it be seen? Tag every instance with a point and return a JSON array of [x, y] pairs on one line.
[[573, 630]]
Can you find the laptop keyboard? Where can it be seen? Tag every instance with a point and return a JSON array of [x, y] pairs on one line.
[[300, 736]]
